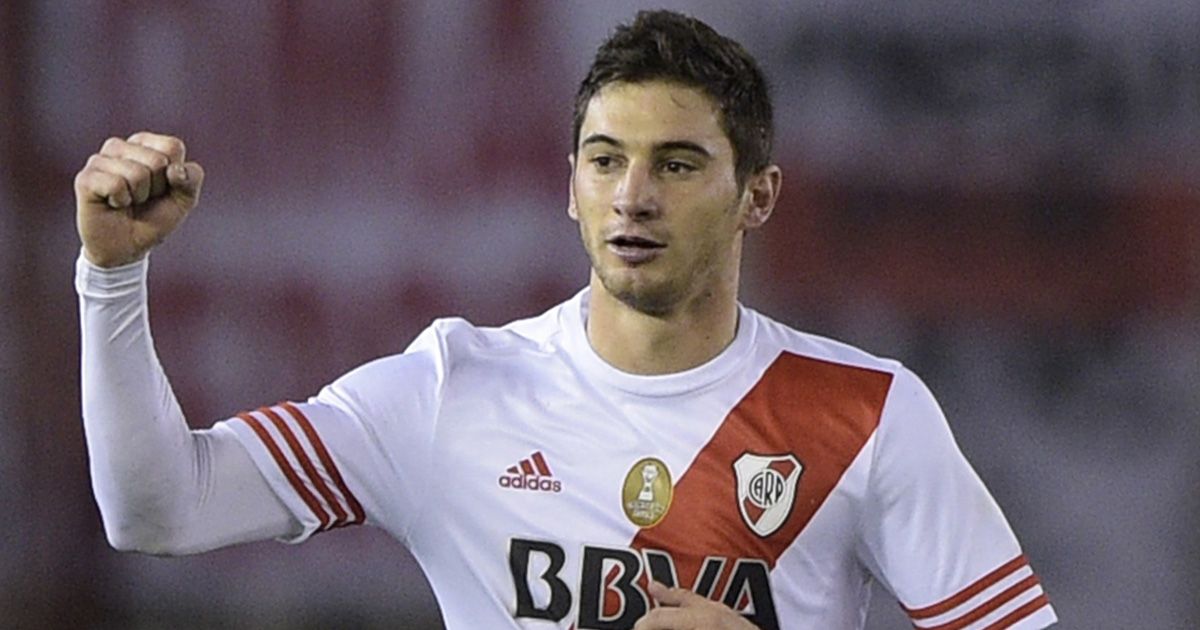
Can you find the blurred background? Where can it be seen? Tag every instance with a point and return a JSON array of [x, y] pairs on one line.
[[1006, 196]]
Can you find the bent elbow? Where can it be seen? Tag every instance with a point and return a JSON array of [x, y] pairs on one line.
[[129, 538]]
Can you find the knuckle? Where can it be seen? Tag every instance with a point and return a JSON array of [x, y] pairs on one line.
[[110, 185], [111, 145], [89, 180], [139, 175]]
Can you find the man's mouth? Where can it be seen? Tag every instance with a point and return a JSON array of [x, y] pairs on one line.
[[634, 250], [635, 242]]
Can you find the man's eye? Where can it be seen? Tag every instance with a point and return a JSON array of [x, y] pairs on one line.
[[675, 166], [602, 161]]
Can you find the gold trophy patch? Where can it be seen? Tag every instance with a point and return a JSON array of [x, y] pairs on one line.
[[646, 493]]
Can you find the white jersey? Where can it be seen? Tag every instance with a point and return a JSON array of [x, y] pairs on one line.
[[539, 487]]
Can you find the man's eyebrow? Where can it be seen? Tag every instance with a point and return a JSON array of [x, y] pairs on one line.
[[599, 137], [670, 145], [682, 145]]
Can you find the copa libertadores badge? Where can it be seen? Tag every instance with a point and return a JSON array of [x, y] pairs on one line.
[[766, 489], [646, 493]]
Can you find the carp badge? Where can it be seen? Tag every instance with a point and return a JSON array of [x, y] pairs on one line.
[[766, 490]]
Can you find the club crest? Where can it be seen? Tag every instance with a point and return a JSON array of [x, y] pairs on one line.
[[766, 490]]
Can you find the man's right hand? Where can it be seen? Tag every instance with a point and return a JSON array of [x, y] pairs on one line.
[[132, 194]]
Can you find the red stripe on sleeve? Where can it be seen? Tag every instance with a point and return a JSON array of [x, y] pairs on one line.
[[327, 461], [286, 468], [987, 607], [975, 588], [1024, 611], [340, 515]]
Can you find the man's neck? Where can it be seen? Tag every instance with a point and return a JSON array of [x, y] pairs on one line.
[[639, 343]]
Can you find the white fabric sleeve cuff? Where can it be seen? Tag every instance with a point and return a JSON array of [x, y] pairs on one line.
[[95, 282]]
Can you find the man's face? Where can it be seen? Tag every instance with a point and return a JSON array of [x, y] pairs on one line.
[[654, 192]]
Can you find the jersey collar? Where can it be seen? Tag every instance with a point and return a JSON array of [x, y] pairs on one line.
[[574, 317]]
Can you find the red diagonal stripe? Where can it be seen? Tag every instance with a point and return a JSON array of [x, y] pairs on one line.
[[307, 466], [819, 411], [327, 462], [286, 467], [982, 610], [540, 462], [1024, 611], [526, 467], [975, 588]]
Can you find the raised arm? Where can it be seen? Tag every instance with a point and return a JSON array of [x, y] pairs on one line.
[[161, 487]]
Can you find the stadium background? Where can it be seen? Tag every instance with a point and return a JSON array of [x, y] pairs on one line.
[[1003, 196]]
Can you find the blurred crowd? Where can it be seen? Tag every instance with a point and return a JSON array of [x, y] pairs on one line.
[[1006, 198]]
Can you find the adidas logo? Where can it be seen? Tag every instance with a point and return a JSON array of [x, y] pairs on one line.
[[532, 473]]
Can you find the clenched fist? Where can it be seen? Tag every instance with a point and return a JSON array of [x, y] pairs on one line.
[[132, 194]]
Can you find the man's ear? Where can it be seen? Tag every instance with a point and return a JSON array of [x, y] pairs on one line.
[[762, 188], [572, 209]]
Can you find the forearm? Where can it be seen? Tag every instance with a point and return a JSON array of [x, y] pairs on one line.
[[141, 455], [161, 488]]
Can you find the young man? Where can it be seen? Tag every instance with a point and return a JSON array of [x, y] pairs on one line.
[[647, 454]]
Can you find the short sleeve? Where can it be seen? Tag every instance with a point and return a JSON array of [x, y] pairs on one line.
[[932, 533], [358, 452]]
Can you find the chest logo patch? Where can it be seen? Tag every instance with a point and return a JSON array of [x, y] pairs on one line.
[[646, 493], [766, 490]]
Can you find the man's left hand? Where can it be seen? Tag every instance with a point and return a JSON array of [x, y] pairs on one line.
[[681, 609]]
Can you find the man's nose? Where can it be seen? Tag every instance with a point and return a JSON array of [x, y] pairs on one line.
[[637, 195]]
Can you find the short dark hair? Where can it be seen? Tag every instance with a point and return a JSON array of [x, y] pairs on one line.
[[672, 47]]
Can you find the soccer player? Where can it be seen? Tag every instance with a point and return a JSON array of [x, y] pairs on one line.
[[650, 453]]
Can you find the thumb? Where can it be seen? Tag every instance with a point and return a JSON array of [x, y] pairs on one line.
[[185, 179], [667, 596]]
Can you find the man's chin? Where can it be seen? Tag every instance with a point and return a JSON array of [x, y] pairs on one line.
[[639, 293]]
